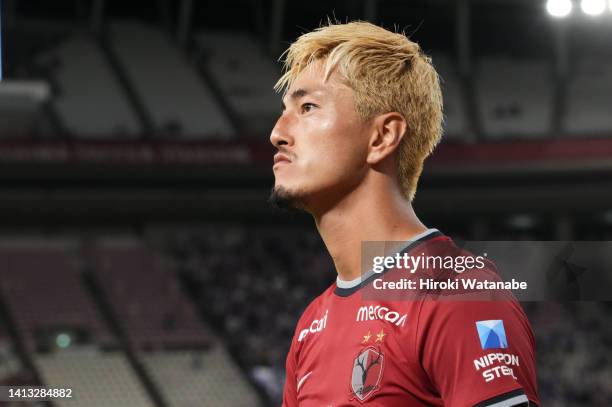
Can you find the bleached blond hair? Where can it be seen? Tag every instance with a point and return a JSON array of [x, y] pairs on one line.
[[387, 73]]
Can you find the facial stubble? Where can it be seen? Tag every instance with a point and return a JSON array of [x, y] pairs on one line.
[[286, 200]]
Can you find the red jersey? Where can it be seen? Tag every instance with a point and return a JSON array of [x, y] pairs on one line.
[[349, 349]]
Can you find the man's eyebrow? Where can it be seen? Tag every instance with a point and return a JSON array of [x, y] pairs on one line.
[[297, 94]]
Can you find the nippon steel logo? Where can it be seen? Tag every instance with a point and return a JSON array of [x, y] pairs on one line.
[[492, 334]]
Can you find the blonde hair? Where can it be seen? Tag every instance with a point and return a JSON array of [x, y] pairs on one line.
[[387, 73]]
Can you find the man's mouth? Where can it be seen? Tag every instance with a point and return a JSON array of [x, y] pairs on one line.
[[280, 158]]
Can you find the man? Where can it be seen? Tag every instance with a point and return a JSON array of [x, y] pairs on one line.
[[362, 111]]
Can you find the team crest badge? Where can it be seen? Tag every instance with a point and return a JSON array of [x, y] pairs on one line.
[[367, 373]]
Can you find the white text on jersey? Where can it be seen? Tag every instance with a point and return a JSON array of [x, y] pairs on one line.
[[315, 326], [371, 313]]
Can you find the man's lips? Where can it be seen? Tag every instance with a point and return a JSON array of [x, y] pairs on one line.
[[281, 158]]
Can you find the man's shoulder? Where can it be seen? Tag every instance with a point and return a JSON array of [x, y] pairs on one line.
[[317, 304]]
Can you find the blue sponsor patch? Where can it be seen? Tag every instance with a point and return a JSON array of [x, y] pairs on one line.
[[492, 334]]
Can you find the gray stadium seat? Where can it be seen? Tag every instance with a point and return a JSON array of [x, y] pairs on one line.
[[589, 99], [44, 270], [245, 75], [168, 84], [514, 97], [98, 379], [90, 103], [456, 125], [22, 109], [195, 378], [154, 310]]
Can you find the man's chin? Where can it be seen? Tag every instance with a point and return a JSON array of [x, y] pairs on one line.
[[286, 199]]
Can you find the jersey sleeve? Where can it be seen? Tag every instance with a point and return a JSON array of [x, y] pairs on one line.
[[478, 353]]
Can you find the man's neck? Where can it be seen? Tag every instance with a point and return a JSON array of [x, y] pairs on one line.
[[365, 215]]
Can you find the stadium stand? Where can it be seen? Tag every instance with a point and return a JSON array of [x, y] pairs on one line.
[[23, 112], [245, 74], [176, 99], [90, 101], [46, 270], [12, 370], [25, 89], [43, 287], [589, 104], [195, 315], [7, 360], [99, 379], [229, 266], [456, 123], [222, 267], [514, 98], [154, 315], [195, 378], [10, 365], [573, 338], [224, 83]]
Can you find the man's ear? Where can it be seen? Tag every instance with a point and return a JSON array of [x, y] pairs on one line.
[[387, 132]]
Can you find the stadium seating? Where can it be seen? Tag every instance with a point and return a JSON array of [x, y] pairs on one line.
[[168, 84], [146, 298], [573, 338], [22, 109], [21, 124], [589, 100], [45, 293], [456, 124], [289, 266], [9, 363], [275, 266], [98, 379], [227, 266], [514, 98], [245, 74], [90, 103], [195, 378]]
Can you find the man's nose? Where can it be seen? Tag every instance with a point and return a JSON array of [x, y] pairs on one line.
[[280, 135]]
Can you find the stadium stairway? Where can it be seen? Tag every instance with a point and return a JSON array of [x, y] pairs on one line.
[[112, 321]]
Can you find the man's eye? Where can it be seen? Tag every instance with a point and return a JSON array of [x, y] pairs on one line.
[[307, 107]]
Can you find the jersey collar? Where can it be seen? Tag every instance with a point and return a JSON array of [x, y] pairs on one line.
[[347, 288]]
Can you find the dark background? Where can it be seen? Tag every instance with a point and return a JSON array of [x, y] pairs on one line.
[[135, 168]]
